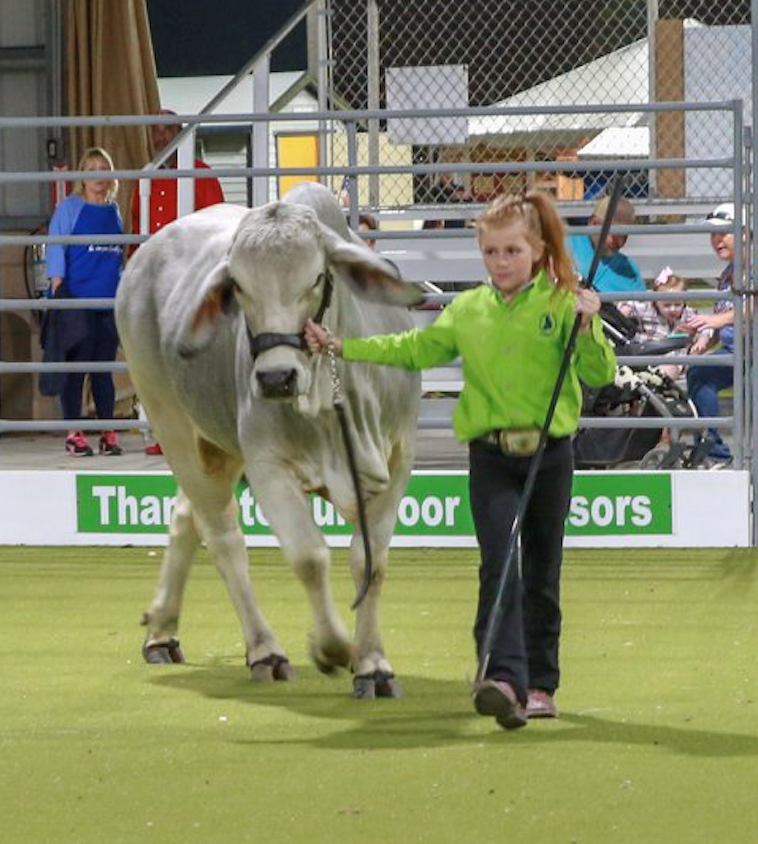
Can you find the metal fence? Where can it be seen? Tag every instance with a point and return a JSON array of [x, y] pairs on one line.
[[414, 257], [456, 53], [506, 114]]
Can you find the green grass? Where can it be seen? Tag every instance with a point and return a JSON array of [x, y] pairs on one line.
[[658, 739]]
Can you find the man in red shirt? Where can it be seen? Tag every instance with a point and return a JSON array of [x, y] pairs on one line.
[[163, 208], [163, 192]]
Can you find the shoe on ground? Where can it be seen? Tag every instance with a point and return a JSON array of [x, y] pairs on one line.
[[109, 445], [77, 445], [498, 698], [716, 463], [540, 704], [154, 449]]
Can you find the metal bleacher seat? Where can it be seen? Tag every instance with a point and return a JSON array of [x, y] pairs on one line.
[[449, 261]]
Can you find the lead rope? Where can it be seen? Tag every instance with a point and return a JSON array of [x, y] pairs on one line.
[[338, 402]]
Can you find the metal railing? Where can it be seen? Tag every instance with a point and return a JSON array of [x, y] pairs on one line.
[[741, 422]]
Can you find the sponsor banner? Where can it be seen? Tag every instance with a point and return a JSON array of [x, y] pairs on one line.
[[434, 505], [621, 504], [675, 509]]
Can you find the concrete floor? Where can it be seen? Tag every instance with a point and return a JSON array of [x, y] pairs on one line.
[[434, 450]]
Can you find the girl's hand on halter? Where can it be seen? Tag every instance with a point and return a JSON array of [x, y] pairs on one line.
[[588, 305], [317, 339]]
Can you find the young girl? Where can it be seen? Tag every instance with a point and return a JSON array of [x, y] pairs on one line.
[[84, 271], [657, 320], [511, 334]]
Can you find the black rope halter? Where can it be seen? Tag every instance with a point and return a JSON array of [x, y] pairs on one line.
[[269, 340]]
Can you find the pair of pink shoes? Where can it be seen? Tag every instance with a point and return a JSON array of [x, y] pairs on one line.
[[77, 445], [498, 699]]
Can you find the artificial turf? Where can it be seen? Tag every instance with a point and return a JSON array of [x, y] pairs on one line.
[[657, 741]]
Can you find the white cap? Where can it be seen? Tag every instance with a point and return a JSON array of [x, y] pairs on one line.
[[722, 215]]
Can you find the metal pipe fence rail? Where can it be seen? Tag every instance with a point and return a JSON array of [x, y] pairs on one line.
[[740, 422]]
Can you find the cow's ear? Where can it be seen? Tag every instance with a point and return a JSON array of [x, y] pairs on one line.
[[215, 298], [368, 274]]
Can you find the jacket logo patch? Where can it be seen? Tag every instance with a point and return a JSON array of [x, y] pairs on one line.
[[547, 324]]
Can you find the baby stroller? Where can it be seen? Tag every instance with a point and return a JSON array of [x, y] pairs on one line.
[[638, 391]]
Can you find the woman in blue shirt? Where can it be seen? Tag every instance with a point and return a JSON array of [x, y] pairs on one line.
[[88, 271]]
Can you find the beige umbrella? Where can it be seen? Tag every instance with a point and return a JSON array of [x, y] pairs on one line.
[[110, 69]]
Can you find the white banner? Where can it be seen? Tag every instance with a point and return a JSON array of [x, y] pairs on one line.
[[608, 509]]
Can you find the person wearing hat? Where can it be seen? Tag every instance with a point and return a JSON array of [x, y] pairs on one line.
[[705, 382], [163, 192], [616, 272]]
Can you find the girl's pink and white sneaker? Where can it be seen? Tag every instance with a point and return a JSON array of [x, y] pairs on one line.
[[540, 704]]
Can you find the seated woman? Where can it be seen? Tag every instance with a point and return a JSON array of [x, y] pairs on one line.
[[705, 382]]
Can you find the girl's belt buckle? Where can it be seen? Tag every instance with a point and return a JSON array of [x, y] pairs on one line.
[[519, 442]]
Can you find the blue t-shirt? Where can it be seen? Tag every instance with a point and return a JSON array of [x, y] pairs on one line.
[[91, 271], [725, 282], [615, 273]]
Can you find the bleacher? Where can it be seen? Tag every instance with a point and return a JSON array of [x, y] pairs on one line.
[[449, 261], [445, 260]]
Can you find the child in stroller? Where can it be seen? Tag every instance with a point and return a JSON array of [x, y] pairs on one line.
[[665, 319], [639, 328]]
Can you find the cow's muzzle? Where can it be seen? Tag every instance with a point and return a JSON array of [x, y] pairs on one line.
[[277, 383]]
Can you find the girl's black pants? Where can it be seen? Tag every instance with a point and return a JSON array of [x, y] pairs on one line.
[[525, 648]]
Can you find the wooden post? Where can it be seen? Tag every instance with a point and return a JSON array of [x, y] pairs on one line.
[[669, 87]]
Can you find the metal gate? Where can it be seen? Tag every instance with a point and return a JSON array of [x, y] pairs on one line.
[[434, 119]]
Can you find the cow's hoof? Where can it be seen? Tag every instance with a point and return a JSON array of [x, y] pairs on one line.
[[364, 687], [261, 672], [163, 653], [386, 685], [376, 684], [328, 658], [273, 667], [283, 670], [323, 667]]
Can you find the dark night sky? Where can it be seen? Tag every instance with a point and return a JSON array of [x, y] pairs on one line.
[[203, 37]]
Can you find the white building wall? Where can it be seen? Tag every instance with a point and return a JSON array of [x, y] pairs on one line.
[[718, 66], [23, 93]]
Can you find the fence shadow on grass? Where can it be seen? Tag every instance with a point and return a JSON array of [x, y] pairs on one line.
[[432, 713]]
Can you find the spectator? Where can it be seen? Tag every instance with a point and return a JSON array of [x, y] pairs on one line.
[[531, 301], [163, 192], [616, 272], [367, 223], [163, 196], [448, 190], [657, 320], [88, 271], [704, 382]]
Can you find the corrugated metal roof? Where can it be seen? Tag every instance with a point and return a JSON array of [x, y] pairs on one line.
[[619, 78], [630, 142]]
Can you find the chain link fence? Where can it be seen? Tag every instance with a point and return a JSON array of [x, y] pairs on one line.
[[457, 53]]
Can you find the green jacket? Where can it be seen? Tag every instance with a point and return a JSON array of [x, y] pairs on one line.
[[511, 353]]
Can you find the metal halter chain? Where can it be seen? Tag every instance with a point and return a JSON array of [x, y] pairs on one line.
[[333, 374], [338, 402]]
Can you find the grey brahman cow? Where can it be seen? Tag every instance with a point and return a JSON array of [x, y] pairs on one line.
[[210, 312]]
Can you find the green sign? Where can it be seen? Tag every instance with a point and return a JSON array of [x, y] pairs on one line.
[[607, 503], [434, 505]]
